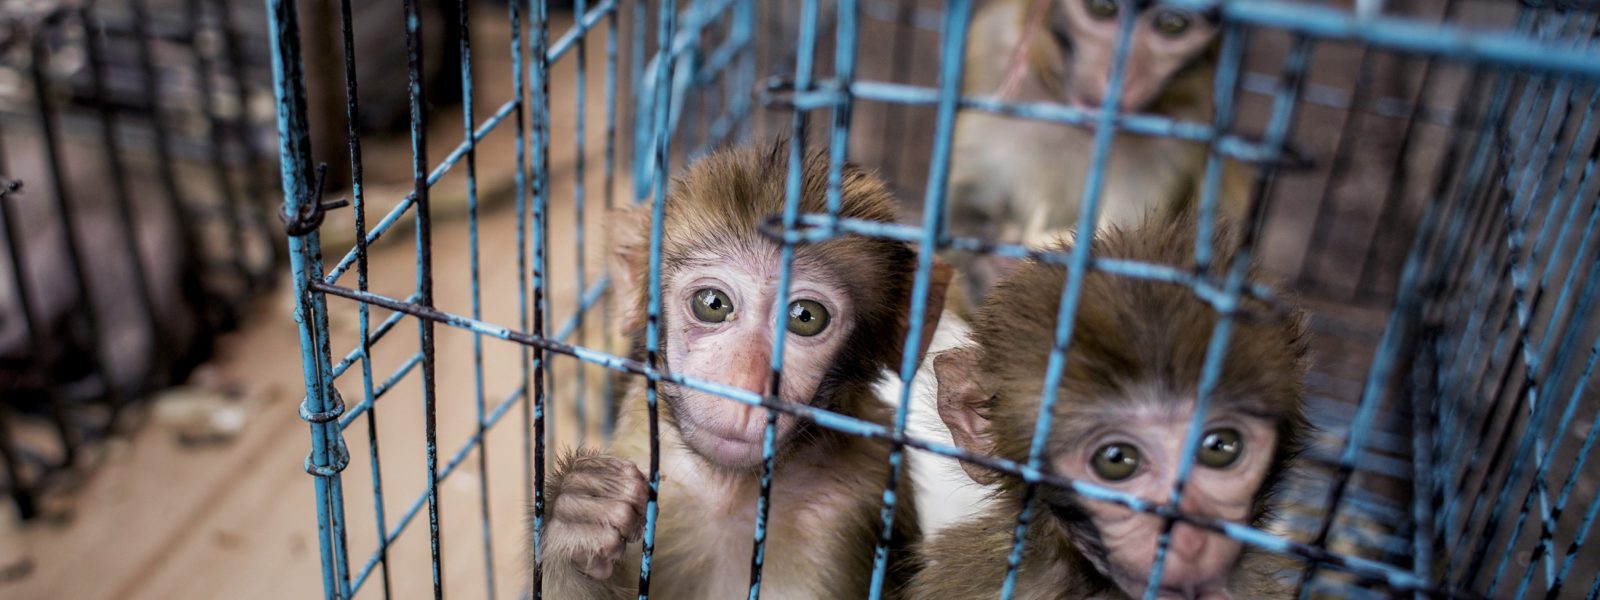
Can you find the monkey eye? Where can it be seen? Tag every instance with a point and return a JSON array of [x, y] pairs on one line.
[[807, 317], [1101, 9], [1220, 448], [1171, 24], [1115, 462], [711, 305]]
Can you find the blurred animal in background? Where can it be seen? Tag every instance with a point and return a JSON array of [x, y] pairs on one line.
[[382, 70], [1022, 180], [111, 328]]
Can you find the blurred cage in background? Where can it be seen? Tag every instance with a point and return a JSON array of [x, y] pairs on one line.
[[135, 226], [1425, 186]]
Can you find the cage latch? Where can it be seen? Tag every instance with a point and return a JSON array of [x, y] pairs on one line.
[[309, 215]]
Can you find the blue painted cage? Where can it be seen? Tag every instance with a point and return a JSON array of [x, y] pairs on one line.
[[1425, 182]]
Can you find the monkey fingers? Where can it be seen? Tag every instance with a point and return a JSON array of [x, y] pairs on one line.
[[593, 548], [607, 477], [604, 491]]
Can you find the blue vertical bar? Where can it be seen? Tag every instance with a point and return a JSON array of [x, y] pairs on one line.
[[744, 25], [844, 67], [529, 484], [294, 155], [1229, 63], [958, 14], [538, 73], [791, 212], [579, 123], [424, 237], [1278, 130], [607, 393], [358, 193], [542, 124], [1104, 133], [471, 141], [658, 181], [643, 148]]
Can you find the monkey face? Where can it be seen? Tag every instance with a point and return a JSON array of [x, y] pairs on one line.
[[1136, 447], [1165, 40], [719, 319]]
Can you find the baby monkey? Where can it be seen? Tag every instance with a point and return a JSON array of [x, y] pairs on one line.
[[1022, 180], [1123, 408], [845, 317]]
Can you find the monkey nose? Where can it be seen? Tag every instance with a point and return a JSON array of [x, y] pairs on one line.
[[753, 377], [1188, 541], [754, 373]]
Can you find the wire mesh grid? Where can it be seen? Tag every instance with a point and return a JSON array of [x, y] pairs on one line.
[[1424, 180]]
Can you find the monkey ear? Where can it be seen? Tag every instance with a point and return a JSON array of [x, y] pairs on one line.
[[630, 268], [963, 406], [938, 287]]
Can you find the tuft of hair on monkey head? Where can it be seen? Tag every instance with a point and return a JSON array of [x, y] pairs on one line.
[[715, 253], [1123, 406]]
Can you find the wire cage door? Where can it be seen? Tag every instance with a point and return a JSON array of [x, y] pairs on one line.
[[1423, 179]]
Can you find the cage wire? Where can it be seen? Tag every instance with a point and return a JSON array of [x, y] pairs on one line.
[[134, 221], [1425, 185]]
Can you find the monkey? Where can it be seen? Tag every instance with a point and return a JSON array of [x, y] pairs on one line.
[[1022, 180], [1123, 407], [846, 321], [945, 495]]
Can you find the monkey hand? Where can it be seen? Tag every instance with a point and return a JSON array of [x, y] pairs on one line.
[[598, 510]]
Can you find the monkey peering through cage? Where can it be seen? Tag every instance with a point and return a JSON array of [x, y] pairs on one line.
[[1420, 179]]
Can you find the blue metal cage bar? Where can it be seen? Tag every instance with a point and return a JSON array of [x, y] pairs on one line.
[[1511, 154]]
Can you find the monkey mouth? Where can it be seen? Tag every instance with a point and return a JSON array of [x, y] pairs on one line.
[[727, 451], [733, 443], [1191, 591], [1186, 594]]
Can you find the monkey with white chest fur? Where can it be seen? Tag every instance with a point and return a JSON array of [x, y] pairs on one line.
[[1022, 180], [846, 321], [1124, 404]]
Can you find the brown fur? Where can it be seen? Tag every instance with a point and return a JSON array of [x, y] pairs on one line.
[[1022, 181], [1127, 332], [824, 518]]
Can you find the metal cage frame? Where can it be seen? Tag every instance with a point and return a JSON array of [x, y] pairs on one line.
[[1435, 365]]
